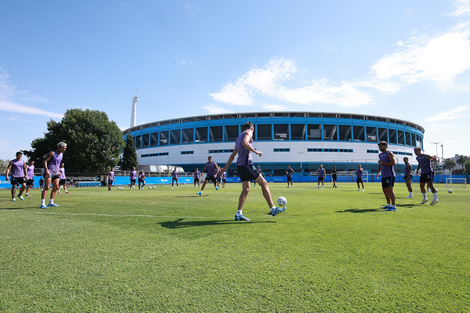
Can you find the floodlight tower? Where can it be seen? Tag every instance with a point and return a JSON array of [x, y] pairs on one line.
[[134, 110]]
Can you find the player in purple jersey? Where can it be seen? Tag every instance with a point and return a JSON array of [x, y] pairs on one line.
[[244, 149], [110, 178], [62, 178], [196, 176], [19, 175], [212, 170], [141, 179], [30, 174], [174, 178], [52, 174], [386, 167], [321, 174], [132, 178], [289, 172], [260, 171], [424, 163], [359, 171], [408, 176]]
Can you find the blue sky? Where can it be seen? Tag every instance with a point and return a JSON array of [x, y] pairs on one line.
[[403, 59]]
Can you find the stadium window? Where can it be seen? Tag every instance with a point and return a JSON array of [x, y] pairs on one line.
[[329, 132], [297, 131], [281, 149], [315, 150], [346, 150], [383, 134], [231, 132], [281, 132], [407, 139], [154, 139], [314, 131], [138, 142], [215, 133], [201, 134], [401, 137], [175, 137], [392, 136], [345, 132], [265, 131], [358, 133], [371, 134], [164, 138], [187, 152], [145, 140], [187, 135], [373, 151], [413, 140]]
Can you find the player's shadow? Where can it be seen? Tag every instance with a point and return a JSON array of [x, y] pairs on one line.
[[180, 224], [359, 211]]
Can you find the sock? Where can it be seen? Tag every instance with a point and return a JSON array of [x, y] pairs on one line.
[[239, 212], [424, 196], [434, 195], [411, 194], [43, 201], [51, 201]]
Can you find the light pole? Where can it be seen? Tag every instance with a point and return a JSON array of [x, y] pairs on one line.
[[301, 174], [436, 143]]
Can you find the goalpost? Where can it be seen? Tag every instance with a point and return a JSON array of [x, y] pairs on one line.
[[454, 182]]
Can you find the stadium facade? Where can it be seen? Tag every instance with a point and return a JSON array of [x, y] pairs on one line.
[[302, 139]]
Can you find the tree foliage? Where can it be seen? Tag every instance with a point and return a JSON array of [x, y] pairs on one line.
[[449, 164], [467, 166], [129, 155], [93, 141]]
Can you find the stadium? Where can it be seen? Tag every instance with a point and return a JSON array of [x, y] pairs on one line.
[[303, 140]]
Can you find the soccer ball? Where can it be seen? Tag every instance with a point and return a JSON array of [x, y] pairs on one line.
[[119, 188], [153, 187], [282, 201], [150, 187], [450, 191]]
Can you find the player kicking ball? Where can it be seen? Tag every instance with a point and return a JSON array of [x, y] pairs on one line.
[[245, 150]]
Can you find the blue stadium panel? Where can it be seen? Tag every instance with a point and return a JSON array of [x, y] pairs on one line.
[[302, 139]]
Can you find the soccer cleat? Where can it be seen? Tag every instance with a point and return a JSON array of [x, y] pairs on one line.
[[278, 210], [43, 206], [21, 197], [391, 209], [362, 189], [386, 206], [216, 188], [199, 193], [13, 199], [434, 201], [410, 197], [240, 217], [424, 201], [58, 192], [53, 205]]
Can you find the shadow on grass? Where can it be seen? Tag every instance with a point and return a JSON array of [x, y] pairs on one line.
[[360, 211], [180, 224]]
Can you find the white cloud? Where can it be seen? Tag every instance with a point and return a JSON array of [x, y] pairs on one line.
[[462, 8], [456, 113], [6, 105]]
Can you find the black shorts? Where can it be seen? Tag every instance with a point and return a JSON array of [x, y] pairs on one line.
[[359, 180], [133, 181], [62, 182], [211, 179], [247, 172], [141, 180], [110, 182], [30, 182], [407, 178], [17, 181], [321, 179], [196, 180], [388, 182], [334, 177], [425, 178], [289, 178]]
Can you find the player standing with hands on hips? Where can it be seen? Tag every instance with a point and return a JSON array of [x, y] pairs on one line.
[[52, 174], [245, 150]]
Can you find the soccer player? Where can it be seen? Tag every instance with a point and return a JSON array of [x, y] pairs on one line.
[[408, 176], [289, 172], [196, 176], [52, 174], [359, 171], [224, 179], [41, 182], [18, 170], [321, 176], [30, 174], [212, 170], [387, 168], [132, 178], [334, 176], [424, 163], [244, 149], [174, 178], [110, 178], [62, 178], [141, 179]]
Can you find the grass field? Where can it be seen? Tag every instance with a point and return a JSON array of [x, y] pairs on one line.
[[165, 250]]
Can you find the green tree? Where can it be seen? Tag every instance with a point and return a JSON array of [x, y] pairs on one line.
[[449, 164], [461, 159], [129, 156], [94, 142], [467, 166]]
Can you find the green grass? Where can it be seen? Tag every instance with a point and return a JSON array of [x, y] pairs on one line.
[[169, 250]]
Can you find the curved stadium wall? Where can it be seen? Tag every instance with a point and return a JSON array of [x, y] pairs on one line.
[[302, 139]]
